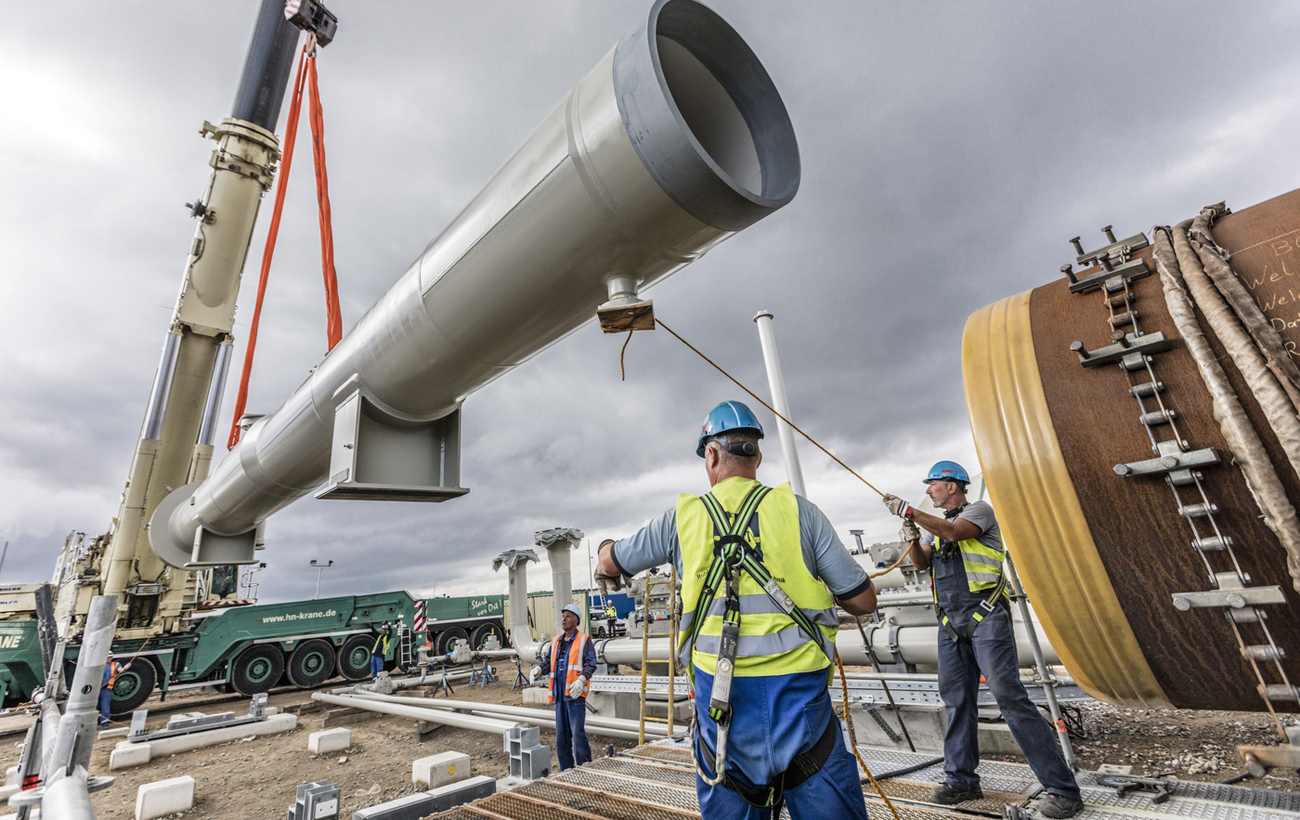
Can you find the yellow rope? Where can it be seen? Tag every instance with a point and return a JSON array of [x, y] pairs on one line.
[[756, 398], [844, 686]]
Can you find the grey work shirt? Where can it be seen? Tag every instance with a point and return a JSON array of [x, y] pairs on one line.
[[823, 553], [950, 585]]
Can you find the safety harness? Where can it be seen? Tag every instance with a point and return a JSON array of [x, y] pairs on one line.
[[951, 549], [732, 554]]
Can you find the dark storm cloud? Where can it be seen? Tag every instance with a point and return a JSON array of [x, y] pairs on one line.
[[948, 151]]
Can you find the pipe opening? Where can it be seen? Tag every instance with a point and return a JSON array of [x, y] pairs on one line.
[[712, 130]]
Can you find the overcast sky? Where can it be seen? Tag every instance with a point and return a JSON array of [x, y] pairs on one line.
[[949, 152]]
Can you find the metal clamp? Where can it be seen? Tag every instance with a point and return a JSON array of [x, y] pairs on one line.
[[1126, 272], [1129, 344], [1168, 462]]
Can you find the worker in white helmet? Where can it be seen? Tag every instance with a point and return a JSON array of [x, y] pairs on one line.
[[569, 667]]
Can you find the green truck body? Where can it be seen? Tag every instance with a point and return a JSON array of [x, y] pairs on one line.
[[252, 648]]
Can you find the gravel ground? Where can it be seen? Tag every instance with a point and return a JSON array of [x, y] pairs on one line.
[[257, 777]]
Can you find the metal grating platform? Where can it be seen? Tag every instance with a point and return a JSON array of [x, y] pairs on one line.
[[658, 783]]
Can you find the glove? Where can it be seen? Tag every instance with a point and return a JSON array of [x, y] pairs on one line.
[[909, 534], [897, 506], [608, 582], [575, 688], [534, 675]]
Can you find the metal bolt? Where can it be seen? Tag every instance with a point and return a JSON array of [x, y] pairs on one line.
[[1110, 235], [1068, 270], [1120, 338], [1078, 246], [1078, 347], [1182, 442], [1104, 261], [1122, 469], [1236, 601], [1182, 604], [1169, 462]]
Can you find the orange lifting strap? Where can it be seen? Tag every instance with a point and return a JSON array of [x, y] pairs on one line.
[[334, 320]]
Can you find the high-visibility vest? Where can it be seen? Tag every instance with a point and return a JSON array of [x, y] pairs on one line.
[[770, 642], [114, 669], [577, 647], [983, 567]]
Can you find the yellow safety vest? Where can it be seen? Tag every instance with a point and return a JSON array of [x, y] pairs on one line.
[[770, 642], [983, 567]]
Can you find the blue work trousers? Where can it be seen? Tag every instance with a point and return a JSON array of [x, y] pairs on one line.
[[992, 652], [376, 665], [571, 745], [775, 718], [105, 704]]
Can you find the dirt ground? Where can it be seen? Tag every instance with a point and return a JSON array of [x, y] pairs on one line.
[[257, 777]]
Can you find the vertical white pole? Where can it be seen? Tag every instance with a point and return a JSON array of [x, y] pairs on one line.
[[776, 384]]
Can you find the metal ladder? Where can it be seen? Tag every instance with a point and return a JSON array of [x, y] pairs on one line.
[[404, 657], [674, 618]]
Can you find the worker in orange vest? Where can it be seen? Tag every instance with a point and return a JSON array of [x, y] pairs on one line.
[[111, 670], [570, 665]]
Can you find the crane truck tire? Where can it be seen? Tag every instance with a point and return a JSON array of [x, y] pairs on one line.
[[1128, 431], [447, 638], [257, 669], [353, 660], [481, 633], [311, 663], [133, 686]]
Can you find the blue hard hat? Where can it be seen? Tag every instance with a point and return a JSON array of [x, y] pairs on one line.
[[948, 469], [574, 609], [730, 415]]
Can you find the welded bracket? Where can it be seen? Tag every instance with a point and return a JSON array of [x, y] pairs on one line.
[[1231, 593], [1170, 459], [1130, 344], [379, 455]]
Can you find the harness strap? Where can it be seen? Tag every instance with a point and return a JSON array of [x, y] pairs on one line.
[[802, 767]]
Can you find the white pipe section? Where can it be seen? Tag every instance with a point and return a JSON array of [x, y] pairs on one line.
[[478, 724], [499, 710], [776, 384], [560, 556], [521, 637], [919, 645], [592, 729], [627, 651], [676, 140]]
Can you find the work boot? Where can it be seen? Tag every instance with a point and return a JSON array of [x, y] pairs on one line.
[[1058, 806], [949, 795]]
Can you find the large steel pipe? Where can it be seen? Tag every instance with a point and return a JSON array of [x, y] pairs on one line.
[[677, 139], [1122, 555]]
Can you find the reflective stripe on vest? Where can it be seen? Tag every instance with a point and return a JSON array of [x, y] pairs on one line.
[[576, 649], [769, 643], [114, 669], [762, 604]]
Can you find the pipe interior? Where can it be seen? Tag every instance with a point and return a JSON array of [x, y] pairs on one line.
[[726, 100]]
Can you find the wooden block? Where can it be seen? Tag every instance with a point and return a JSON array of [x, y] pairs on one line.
[[1259, 759], [304, 707], [347, 716], [424, 730]]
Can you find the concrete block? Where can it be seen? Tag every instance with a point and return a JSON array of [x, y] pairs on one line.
[[164, 797], [627, 705], [212, 737], [433, 801], [535, 696], [925, 723], [116, 731], [126, 755], [440, 769], [329, 740], [11, 776], [7, 792]]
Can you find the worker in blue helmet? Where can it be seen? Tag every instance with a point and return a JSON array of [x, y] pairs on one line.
[[765, 733], [569, 665], [963, 551]]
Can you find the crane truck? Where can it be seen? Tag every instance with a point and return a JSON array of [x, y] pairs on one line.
[[177, 626]]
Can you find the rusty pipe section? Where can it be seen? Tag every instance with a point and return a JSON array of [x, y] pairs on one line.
[[676, 140]]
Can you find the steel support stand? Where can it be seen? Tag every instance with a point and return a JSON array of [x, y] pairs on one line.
[[1044, 675]]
